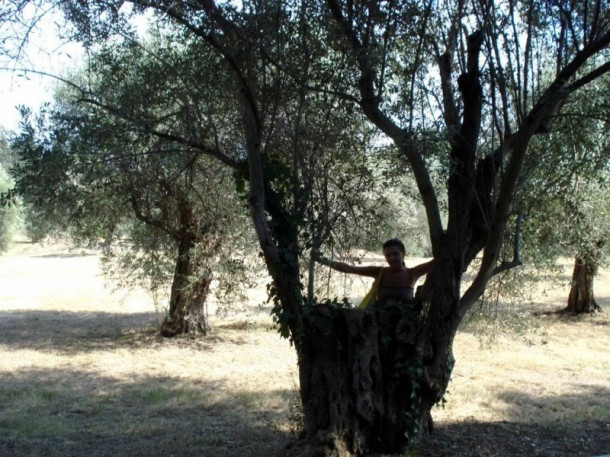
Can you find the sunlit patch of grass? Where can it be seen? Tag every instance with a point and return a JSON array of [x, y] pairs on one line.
[[558, 379]]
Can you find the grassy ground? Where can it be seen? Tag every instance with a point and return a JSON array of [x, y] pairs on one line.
[[82, 372]]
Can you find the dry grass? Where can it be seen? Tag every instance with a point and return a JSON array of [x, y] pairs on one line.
[[539, 387], [83, 372]]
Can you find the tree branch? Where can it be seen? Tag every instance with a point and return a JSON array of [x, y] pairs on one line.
[[403, 139], [137, 210], [517, 144], [591, 76], [506, 265], [212, 152]]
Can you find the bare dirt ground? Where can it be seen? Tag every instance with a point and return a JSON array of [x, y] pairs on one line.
[[83, 372]]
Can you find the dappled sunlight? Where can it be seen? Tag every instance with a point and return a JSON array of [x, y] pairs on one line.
[[562, 362], [87, 374]]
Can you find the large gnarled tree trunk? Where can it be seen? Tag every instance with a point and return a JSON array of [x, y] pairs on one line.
[[186, 313], [365, 381], [189, 290], [369, 378], [581, 298]]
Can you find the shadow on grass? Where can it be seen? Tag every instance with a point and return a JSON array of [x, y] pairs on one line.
[[568, 317], [70, 331], [510, 439], [66, 255], [583, 431], [66, 413], [76, 332], [69, 412]]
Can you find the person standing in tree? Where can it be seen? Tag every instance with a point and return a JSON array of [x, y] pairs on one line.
[[394, 283]]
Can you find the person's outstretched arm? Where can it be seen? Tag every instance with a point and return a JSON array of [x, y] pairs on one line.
[[372, 271], [423, 268]]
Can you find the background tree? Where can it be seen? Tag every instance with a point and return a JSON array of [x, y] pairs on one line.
[[301, 127], [589, 253], [10, 217], [570, 216], [92, 169]]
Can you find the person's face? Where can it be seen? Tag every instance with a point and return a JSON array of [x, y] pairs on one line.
[[393, 256]]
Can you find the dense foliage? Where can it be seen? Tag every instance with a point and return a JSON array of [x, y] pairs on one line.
[[10, 212]]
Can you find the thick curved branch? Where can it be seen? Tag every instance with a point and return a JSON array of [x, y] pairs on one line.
[[212, 152], [137, 210], [517, 145], [369, 103], [592, 75]]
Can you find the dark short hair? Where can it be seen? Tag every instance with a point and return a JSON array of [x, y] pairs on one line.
[[395, 242]]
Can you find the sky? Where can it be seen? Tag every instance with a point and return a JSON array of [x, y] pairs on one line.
[[45, 52], [18, 90]]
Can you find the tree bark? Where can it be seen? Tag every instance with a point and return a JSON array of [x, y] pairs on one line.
[[189, 292], [364, 379], [187, 300], [581, 298]]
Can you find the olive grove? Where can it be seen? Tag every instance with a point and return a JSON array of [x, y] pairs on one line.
[[459, 88]]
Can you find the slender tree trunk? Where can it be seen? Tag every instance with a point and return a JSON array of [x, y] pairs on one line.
[[582, 299]]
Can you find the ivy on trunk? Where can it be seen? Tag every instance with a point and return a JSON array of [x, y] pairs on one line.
[[363, 377]]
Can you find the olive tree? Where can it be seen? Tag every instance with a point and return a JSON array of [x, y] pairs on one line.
[[564, 200], [482, 68], [10, 217], [94, 166]]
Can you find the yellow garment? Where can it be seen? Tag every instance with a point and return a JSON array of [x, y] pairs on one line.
[[371, 297]]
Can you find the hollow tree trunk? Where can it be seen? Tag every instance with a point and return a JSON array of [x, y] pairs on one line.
[[581, 298], [363, 380]]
